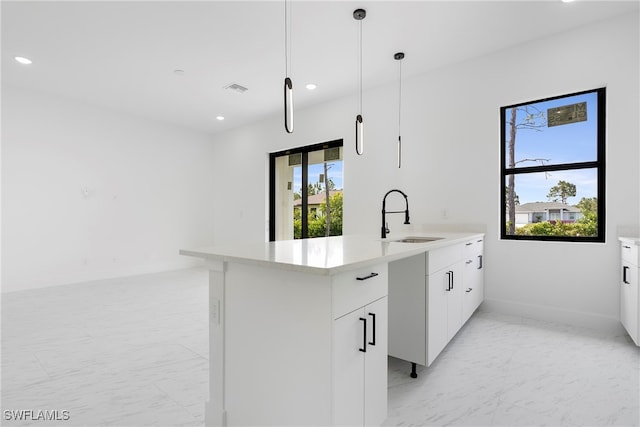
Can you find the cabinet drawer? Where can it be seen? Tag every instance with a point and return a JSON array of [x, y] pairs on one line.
[[629, 252], [357, 288], [440, 258], [473, 248]]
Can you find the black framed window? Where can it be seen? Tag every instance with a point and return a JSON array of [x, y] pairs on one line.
[[553, 168], [305, 191]]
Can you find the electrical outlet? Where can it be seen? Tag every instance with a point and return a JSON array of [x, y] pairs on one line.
[[445, 214]]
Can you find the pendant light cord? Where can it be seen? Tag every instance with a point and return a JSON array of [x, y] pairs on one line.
[[400, 100], [287, 38], [360, 68]]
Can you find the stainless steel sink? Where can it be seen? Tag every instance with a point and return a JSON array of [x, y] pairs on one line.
[[418, 239]]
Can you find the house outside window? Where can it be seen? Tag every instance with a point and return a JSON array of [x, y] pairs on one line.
[[553, 168]]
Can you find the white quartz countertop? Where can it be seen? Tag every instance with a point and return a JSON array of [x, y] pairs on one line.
[[632, 240], [327, 255]]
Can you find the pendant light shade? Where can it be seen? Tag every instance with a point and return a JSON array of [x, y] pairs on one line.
[[359, 15], [359, 135], [399, 57], [288, 105], [288, 83]]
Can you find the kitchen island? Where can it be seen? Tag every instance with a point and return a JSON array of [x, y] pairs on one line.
[[298, 329]]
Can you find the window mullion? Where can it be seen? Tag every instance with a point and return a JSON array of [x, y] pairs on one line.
[[552, 168], [304, 231]]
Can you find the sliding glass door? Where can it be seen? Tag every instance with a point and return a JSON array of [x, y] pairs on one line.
[[306, 192]]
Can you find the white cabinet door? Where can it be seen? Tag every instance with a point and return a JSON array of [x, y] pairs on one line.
[[360, 366], [468, 297], [454, 300], [445, 299], [629, 300], [408, 309], [473, 276], [375, 363], [437, 317], [348, 369], [479, 269]]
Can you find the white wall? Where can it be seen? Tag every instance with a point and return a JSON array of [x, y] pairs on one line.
[[451, 162], [150, 192]]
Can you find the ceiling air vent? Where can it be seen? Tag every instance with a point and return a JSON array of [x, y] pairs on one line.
[[236, 87]]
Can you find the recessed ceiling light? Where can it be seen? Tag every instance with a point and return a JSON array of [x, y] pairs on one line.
[[221, 118], [567, 1], [311, 86], [23, 60]]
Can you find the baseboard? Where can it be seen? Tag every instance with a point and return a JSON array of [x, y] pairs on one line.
[[554, 314], [96, 275], [213, 417]]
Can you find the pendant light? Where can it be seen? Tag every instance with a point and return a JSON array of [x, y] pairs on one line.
[[359, 15], [399, 57], [288, 83]]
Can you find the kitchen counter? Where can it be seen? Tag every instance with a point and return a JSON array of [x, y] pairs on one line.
[[298, 330], [632, 240], [327, 255]]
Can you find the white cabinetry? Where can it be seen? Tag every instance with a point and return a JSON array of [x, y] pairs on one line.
[[444, 298], [473, 277], [360, 347], [360, 362], [287, 340], [292, 345], [629, 296], [408, 309], [428, 302]]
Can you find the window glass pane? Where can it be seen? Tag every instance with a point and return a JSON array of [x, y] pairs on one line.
[[558, 131], [559, 203], [287, 168], [324, 195]]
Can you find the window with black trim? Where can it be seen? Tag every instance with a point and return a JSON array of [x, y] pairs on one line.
[[553, 168], [305, 192]]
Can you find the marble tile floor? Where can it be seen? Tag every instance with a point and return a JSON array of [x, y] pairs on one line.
[[134, 352]]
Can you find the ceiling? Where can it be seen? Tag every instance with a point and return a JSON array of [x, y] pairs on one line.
[[123, 55]]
